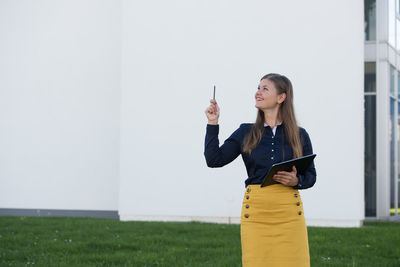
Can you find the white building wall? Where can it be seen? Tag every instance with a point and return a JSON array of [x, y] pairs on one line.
[[173, 52], [64, 142], [59, 104]]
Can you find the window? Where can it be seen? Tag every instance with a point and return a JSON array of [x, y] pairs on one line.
[[370, 20], [370, 138]]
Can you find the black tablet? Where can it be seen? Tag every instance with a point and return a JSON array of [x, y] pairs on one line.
[[301, 164]]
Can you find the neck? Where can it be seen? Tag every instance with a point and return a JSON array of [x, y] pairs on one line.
[[271, 117]]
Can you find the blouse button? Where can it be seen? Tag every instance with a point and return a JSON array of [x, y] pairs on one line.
[[272, 150], [272, 157], [272, 143]]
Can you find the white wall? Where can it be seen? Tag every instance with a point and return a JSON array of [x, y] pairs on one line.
[[173, 52], [67, 69], [59, 104]]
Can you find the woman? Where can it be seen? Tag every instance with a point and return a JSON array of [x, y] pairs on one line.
[[273, 229]]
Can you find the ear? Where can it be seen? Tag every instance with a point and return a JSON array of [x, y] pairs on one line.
[[281, 98]]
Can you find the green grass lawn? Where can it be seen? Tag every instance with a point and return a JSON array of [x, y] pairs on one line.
[[61, 241]]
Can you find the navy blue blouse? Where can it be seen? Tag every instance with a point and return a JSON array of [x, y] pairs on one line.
[[272, 149]]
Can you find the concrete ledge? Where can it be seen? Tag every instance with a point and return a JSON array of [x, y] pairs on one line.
[[391, 218], [224, 220], [394, 218], [106, 214], [235, 220], [334, 223], [126, 217]]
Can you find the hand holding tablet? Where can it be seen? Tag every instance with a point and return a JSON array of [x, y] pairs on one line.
[[301, 165]]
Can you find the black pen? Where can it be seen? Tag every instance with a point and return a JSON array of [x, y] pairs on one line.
[[214, 93]]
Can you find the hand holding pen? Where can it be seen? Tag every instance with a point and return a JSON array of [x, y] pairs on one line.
[[212, 112]]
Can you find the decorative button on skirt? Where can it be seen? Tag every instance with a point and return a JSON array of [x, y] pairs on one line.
[[273, 229]]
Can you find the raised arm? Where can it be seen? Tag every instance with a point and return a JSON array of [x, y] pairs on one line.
[[219, 156]]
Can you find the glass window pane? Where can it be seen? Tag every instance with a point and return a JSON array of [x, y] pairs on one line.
[[398, 85], [392, 22], [391, 136], [396, 179], [370, 20], [398, 34], [392, 70], [370, 155], [397, 6], [369, 77]]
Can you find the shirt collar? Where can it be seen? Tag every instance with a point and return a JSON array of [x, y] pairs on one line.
[[265, 125]]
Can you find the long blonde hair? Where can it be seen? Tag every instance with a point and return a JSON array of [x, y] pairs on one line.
[[285, 113]]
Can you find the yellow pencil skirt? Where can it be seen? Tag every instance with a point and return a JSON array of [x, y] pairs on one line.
[[272, 227]]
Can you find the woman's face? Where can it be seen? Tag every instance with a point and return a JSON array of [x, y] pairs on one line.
[[267, 96]]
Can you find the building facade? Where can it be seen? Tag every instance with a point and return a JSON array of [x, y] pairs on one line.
[[381, 95]]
